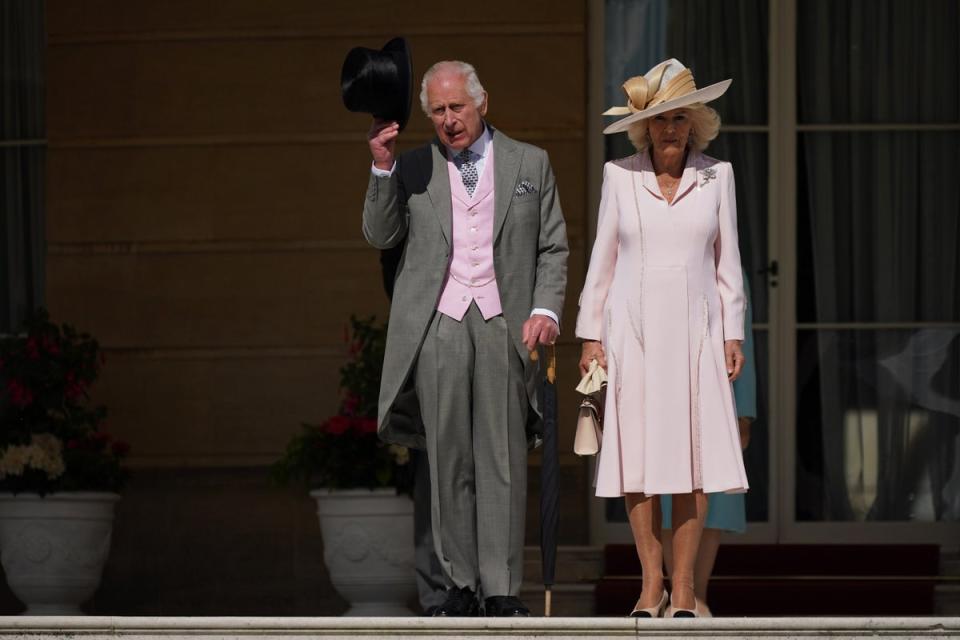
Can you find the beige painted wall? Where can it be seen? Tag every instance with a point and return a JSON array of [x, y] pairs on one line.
[[205, 185]]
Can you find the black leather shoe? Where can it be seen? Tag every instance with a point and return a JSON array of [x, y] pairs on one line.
[[504, 607], [460, 603]]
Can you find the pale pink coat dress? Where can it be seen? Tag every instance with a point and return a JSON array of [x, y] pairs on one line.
[[663, 291]]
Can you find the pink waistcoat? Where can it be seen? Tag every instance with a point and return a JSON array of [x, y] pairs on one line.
[[470, 274]]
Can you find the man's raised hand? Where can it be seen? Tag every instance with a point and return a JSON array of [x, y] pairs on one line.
[[382, 138]]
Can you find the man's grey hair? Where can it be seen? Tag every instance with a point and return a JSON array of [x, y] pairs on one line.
[[465, 69]]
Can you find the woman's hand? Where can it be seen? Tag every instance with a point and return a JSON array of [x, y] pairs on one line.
[[735, 359], [591, 350]]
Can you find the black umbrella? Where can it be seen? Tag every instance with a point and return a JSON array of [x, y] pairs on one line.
[[549, 479]]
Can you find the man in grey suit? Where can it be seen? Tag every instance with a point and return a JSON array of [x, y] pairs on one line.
[[480, 283]]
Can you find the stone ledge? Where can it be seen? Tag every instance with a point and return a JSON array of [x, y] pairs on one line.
[[143, 628]]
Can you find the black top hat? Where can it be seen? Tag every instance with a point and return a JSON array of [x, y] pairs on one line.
[[379, 82]]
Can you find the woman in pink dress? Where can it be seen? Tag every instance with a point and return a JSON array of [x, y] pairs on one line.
[[662, 310]]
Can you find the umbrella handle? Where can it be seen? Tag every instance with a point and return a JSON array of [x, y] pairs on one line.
[[551, 362], [547, 602]]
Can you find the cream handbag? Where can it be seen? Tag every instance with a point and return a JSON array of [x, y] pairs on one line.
[[593, 389]]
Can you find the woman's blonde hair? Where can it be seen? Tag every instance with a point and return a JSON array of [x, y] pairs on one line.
[[704, 127]]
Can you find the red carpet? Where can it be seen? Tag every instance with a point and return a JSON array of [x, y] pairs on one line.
[[795, 580]]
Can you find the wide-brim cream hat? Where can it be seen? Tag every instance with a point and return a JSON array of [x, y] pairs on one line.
[[669, 85]]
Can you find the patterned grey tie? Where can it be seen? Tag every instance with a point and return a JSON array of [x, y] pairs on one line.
[[466, 161]]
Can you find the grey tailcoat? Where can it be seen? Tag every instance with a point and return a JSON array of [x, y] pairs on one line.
[[413, 207]]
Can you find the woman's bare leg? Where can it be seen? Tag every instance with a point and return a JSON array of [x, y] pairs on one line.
[[667, 538], [645, 520], [689, 514], [706, 556]]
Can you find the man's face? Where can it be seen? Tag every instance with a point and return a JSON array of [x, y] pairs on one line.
[[456, 119]]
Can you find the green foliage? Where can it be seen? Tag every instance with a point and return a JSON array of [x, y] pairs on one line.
[[51, 437], [344, 451]]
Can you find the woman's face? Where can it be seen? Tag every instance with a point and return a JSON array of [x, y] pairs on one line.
[[669, 131]]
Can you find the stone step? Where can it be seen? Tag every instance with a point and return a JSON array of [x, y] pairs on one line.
[[112, 628]]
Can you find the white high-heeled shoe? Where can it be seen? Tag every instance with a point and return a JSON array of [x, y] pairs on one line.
[[651, 612], [674, 612]]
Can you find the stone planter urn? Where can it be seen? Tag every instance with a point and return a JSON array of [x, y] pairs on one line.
[[53, 548], [368, 548]]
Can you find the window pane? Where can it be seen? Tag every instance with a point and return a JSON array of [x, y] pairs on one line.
[[716, 40], [22, 56], [878, 418], [878, 61], [22, 234], [878, 226], [719, 40]]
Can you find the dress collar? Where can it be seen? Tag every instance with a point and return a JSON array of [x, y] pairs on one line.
[[688, 179]]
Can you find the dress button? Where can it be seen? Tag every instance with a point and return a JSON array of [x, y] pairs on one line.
[[464, 298], [473, 229]]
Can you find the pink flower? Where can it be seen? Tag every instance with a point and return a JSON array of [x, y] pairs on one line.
[[20, 395], [337, 425], [350, 404], [50, 345], [33, 350], [74, 390], [366, 425]]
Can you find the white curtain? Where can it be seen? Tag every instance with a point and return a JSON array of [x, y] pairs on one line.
[[22, 167]]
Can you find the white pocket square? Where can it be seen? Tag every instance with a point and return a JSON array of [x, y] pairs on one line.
[[524, 188]]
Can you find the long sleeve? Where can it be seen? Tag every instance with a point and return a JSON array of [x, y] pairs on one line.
[[384, 214], [552, 249], [727, 256], [603, 260]]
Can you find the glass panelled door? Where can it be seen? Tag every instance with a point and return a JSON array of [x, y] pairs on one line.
[[877, 424]]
